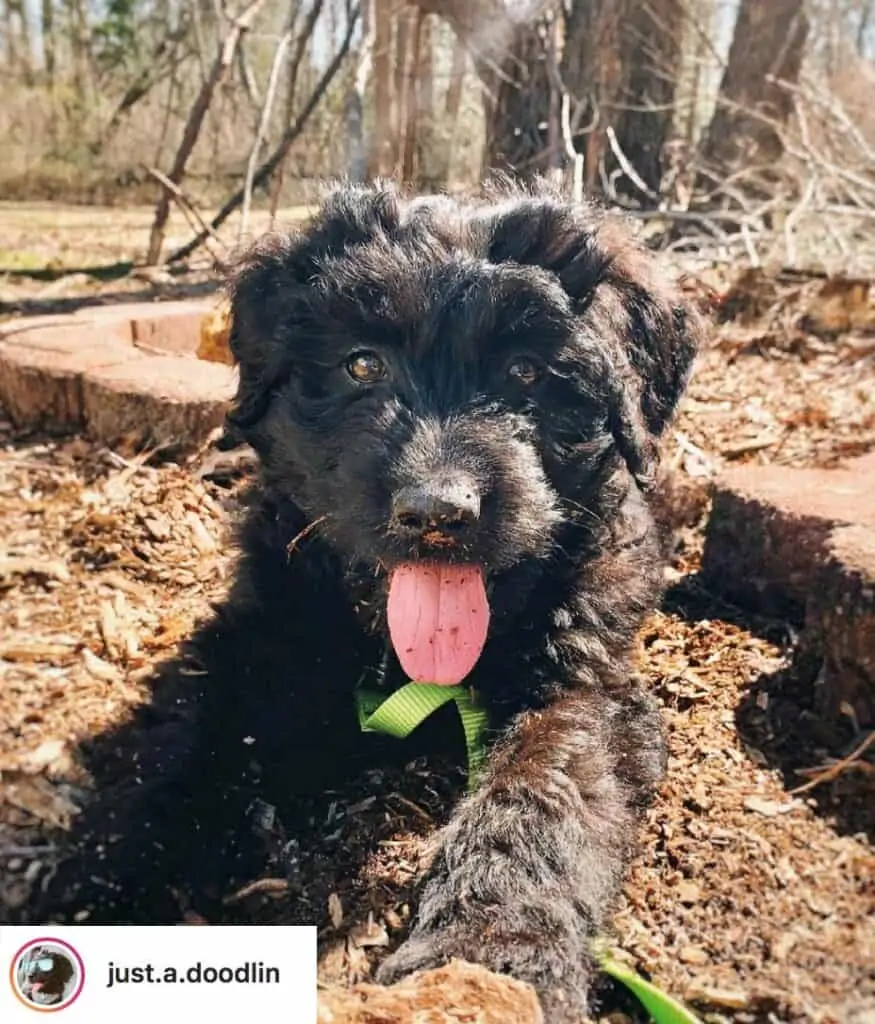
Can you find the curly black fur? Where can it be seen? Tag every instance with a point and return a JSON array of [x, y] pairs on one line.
[[448, 293]]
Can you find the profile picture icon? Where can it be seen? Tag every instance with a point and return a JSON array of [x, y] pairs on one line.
[[47, 975]]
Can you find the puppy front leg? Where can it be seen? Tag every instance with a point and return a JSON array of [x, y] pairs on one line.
[[529, 867]]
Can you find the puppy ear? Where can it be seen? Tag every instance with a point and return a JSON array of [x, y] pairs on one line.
[[612, 280], [660, 330], [258, 284], [270, 285], [634, 442]]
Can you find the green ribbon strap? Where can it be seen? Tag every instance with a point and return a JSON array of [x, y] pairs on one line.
[[408, 707], [661, 1007]]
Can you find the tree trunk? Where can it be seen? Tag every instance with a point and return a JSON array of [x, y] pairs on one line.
[[10, 37], [381, 159], [510, 57], [517, 102], [79, 47], [411, 94], [47, 12], [867, 15], [592, 75], [651, 54], [442, 148], [354, 104], [425, 141], [769, 40], [24, 65]]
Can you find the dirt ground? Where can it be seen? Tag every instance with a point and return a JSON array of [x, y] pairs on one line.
[[753, 902], [56, 257], [52, 235]]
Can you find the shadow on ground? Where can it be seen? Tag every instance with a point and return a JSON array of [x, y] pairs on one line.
[[70, 304], [778, 719]]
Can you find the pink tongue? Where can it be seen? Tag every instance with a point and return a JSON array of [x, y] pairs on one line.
[[438, 618]]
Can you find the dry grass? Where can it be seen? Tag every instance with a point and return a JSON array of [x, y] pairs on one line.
[[57, 235]]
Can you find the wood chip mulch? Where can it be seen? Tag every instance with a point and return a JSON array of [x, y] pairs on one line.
[[755, 904]]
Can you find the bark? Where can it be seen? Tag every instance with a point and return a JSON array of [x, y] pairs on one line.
[[410, 96], [425, 142], [381, 158], [867, 15], [10, 37], [78, 32], [354, 106], [651, 55], [453, 101], [592, 74], [19, 56], [441, 156], [510, 58], [769, 40], [517, 102], [47, 13]]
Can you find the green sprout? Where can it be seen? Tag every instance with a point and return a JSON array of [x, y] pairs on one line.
[[661, 1007]]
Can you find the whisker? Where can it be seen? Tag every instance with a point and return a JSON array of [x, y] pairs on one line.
[[293, 543], [575, 505]]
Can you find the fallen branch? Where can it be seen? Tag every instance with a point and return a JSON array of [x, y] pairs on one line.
[[830, 772], [626, 165], [186, 206]]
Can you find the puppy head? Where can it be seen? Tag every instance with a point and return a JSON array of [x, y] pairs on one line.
[[48, 973], [454, 380]]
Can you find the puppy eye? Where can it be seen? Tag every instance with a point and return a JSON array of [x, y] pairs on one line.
[[524, 371], [366, 367]]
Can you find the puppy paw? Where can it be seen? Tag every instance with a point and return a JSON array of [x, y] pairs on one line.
[[561, 983]]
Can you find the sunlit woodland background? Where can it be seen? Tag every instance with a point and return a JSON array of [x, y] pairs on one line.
[[736, 123]]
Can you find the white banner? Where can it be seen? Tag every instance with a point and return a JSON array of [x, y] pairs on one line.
[[106, 974]]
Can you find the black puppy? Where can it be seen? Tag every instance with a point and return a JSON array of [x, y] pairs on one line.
[[46, 976], [456, 406]]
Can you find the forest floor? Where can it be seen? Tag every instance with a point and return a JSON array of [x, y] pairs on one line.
[[753, 903], [55, 257]]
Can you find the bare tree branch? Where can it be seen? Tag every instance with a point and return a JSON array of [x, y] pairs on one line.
[[264, 120], [288, 140], [189, 210], [301, 41], [198, 112]]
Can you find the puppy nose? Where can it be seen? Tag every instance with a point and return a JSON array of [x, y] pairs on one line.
[[449, 507]]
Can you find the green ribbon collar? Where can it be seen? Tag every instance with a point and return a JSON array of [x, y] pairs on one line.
[[399, 714]]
